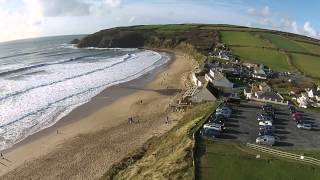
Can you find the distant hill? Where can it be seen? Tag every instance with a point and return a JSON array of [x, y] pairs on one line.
[[281, 51]]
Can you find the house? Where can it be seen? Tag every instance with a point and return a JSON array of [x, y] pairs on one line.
[[264, 93], [219, 81], [295, 90], [249, 65], [303, 100], [259, 73], [198, 80], [314, 93], [224, 68], [264, 87]]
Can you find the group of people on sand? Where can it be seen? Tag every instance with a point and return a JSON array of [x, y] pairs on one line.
[[131, 120]]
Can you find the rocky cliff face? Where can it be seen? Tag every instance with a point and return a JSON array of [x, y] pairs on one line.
[[139, 36]]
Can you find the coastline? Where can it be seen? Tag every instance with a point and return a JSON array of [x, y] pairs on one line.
[[105, 98], [101, 117]]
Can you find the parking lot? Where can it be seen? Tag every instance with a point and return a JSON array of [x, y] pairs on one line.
[[243, 126]]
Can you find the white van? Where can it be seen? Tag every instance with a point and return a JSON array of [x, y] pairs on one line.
[[266, 140]]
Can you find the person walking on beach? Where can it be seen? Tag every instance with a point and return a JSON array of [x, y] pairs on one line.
[[167, 120], [2, 157], [130, 119]]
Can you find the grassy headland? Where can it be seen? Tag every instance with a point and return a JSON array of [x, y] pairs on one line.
[[169, 156]]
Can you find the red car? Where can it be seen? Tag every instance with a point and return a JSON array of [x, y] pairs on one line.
[[297, 114]]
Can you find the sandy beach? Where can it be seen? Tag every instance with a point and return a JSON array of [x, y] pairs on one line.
[[84, 144]]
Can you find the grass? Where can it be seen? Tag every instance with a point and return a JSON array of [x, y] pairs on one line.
[[309, 65], [226, 160], [242, 38], [167, 29], [312, 48], [276, 60], [169, 156], [282, 42]]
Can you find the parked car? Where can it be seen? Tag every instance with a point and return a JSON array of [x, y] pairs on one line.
[[218, 120], [209, 133], [266, 132], [304, 126], [267, 108], [266, 140], [297, 114], [268, 112], [271, 128], [264, 117], [265, 123], [297, 118], [224, 108], [213, 126], [224, 113], [292, 109]]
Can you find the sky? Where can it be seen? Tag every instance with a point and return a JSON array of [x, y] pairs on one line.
[[21, 19]]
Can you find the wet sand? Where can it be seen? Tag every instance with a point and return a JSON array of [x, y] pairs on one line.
[[85, 143]]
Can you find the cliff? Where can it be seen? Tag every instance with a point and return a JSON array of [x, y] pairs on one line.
[[159, 36]]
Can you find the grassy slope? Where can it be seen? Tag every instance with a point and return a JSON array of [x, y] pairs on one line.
[[274, 59], [226, 161], [168, 29], [310, 47], [308, 64], [171, 154], [282, 42], [242, 38]]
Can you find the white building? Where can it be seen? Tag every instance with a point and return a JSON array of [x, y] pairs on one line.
[[303, 100], [219, 80], [314, 94]]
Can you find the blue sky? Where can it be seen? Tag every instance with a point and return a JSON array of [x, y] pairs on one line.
[[34, 18]]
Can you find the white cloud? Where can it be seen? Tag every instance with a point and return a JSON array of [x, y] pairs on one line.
[[309, 30], [54, 8], [265, 18], [23, 23], [113, 3], [132, 20], [264, 12]]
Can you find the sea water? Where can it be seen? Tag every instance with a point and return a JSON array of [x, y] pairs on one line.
[[44, 79]]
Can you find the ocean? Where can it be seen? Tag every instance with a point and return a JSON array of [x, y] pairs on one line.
[[44, 79]]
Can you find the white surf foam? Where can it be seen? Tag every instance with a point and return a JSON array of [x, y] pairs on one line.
[[40, 100]]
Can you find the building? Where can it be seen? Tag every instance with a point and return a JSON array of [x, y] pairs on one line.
[[198, 80], [264, 93], [303, 100], [264, 87], [314, 94], [204, 94], [219, 81], [259, 73]]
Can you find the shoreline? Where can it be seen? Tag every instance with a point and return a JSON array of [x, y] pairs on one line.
[[98, 131], [103, 99]]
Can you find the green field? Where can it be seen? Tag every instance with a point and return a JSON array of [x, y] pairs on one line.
[[308, 64], [282, 42], [242, 38], [274, 59], [168, 29], [222, 160], [312, 48]]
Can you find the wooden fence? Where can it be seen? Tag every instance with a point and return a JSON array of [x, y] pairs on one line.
[[301, 158]]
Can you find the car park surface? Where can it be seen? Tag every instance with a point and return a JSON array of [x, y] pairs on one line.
[[242, 125]]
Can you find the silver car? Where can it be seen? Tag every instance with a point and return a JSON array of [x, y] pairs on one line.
[[304, 126], [266, 140]]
